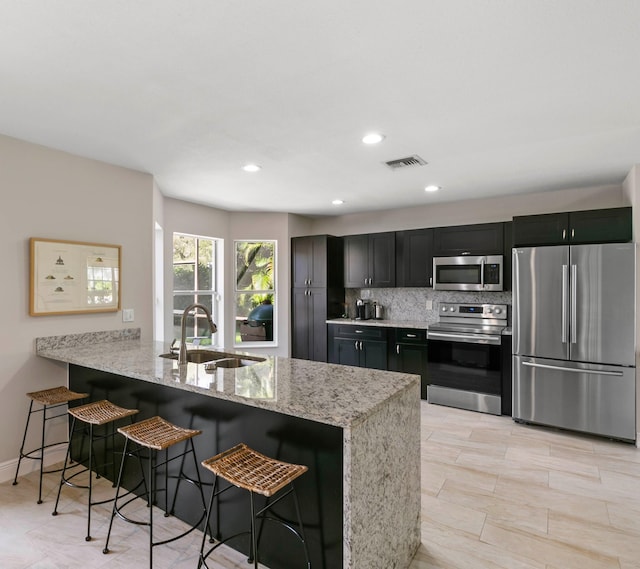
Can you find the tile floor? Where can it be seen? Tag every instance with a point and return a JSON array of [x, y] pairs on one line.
[[495, 494]]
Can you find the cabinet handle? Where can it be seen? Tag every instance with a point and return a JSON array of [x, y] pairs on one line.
[[564, 234], [356, 344], [430, 281], [359, 331], [412, 336], [398, 349], [573, 233], [360, 345]]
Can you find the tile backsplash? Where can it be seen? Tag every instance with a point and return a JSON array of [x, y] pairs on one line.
[[411, 303]]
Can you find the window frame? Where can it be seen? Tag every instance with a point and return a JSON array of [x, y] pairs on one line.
[[272, 292], [215, 291]]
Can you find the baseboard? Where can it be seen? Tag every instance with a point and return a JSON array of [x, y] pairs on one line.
[[52, 455]]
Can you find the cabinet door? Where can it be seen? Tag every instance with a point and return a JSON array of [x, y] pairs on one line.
[[545, 229], [481, 239], [301, 324], [309, 261], [346, 351], [414, 258], [601, 226], [317, 302], [382, 259], [356, 261], [301, 260], [411, 358], [308, 324], [373, 355]]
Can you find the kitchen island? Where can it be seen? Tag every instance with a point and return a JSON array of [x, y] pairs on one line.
[[356, 429]]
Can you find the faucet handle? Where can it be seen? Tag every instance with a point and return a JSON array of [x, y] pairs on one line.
[[173, 348]]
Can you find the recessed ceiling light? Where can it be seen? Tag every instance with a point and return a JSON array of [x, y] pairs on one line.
[[251, 167], [373, 138], [337, 202], [432, 188]]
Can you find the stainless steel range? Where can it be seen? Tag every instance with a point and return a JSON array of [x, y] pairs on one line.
[[465, 357]]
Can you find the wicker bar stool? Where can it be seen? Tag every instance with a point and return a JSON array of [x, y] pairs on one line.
[[245, 468], [48, 399], [149, 437], [92, 414]]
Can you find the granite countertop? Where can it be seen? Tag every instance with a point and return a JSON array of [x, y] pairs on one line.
[[328, 393], [418, 324]]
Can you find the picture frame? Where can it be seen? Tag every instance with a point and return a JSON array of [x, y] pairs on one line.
[[73, 277]]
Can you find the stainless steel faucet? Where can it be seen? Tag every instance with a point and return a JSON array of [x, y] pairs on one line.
[[182, 354]]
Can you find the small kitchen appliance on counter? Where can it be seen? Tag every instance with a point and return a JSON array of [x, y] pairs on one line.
[[465, 357], [363, 309]]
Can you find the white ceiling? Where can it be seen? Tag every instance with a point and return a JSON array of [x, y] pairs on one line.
[[497, 96]]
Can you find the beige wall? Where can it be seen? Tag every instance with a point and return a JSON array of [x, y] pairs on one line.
[[51, 194]]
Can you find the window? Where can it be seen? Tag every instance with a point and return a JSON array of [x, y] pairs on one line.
[[255, 303], [195, 279]]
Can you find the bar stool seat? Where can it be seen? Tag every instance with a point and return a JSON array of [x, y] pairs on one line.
[[49, 399], [154, 435], [250, 470], [93, 414]]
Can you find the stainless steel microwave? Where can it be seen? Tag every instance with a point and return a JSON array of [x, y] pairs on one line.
[[483, 273]]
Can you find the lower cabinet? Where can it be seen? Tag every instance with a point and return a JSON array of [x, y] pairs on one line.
[[361, 346], [409, 354]]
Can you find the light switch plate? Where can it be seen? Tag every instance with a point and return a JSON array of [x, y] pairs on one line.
[[127, 314], [429, 304]]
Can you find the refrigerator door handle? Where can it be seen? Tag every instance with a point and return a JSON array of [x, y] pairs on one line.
[[573, 369], [574, 303], [565, 280]]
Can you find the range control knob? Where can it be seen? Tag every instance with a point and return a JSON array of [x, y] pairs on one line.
[[452, 309], [490, 310], [498, 310], [444, 309]]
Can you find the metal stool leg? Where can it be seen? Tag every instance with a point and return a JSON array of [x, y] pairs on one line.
[[24, 438]]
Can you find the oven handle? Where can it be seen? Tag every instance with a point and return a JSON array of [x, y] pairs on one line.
[[466, 338]]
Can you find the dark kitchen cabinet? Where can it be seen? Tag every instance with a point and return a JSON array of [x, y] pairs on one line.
[[360, 346], [316, 261], [409, 354], [508, 260], [316, 266], [370, 260], [414, 258], [480, 239], [612, 225]]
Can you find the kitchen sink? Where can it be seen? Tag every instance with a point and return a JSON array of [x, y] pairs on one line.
[[215, 359]]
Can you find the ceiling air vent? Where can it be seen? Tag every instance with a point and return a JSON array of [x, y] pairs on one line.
[[414, 160]]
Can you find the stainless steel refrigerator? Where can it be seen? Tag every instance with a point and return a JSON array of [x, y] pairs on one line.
[[574, 338]]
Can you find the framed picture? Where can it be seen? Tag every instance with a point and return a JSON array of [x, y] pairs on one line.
[[72, 277]]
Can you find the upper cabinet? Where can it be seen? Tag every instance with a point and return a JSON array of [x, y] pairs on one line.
[[414, 258], [370, 260], [310, 260], [612, 225], [481, 239]]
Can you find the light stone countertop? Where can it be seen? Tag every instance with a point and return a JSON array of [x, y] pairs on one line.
[[328, 393], [417, 324]]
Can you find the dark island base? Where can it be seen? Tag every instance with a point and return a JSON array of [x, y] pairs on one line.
[[224, 424]]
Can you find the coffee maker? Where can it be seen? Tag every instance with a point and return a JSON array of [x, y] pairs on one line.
[[363, 309]]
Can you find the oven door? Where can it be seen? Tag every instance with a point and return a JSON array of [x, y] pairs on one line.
[[465, 371]]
